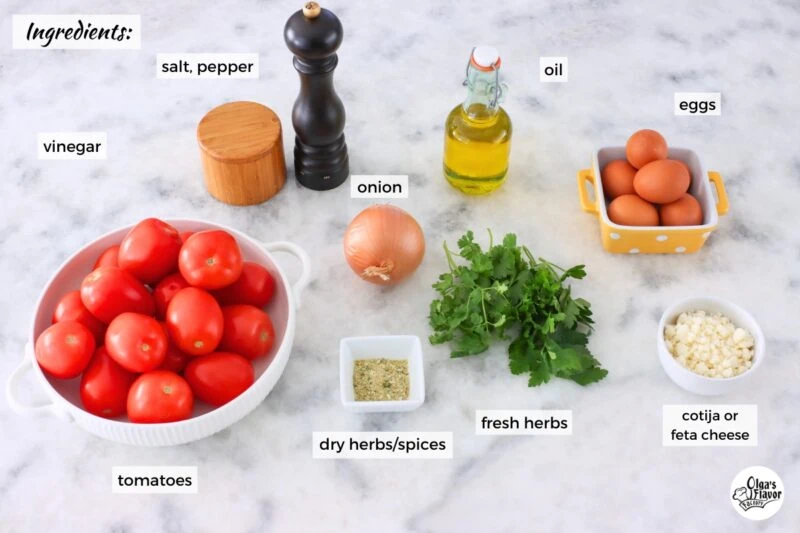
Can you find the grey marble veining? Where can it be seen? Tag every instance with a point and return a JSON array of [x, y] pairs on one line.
[[400, 72]]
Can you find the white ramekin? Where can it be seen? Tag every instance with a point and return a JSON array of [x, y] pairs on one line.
[[64, 395], [402, 347], [688, 380]]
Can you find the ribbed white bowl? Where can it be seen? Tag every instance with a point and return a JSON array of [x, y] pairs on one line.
[[64, 394]]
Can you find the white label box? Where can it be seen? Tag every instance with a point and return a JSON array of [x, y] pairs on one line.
[[154, 480], [553, 69], [72, 145], [523, 422], [206, 66], [382, 445], [710, 425], [76, 32], [698, 104], [384, 186]]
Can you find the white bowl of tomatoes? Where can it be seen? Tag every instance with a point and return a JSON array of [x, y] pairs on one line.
[[162, 333]]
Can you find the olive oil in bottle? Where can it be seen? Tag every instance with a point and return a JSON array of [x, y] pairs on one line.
[[477, 138]]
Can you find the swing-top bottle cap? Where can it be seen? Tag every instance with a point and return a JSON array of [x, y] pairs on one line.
[[485, 58]]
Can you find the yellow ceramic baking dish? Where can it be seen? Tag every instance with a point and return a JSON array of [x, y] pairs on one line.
[[654, 239]]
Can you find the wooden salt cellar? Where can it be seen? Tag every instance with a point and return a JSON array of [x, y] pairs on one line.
[[241, 147]]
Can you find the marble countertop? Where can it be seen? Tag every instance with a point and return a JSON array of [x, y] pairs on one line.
[[400, 72]]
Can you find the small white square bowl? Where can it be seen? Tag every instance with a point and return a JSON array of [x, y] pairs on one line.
[[402, 347]]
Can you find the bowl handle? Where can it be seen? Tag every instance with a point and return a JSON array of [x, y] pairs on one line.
[[305, 260], [719, 185], [12, 387], [585, 175]]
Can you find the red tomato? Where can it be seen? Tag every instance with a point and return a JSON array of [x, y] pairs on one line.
[[108, 258], [176, 360], [70, 307], [64, 349], [194, 321], [165, 290], [247, 331], [159, 396], [150, 250], [105, 385], [185, 235], [110, 291], [255, 286], [210, 259], [219, 377], [137, 342]]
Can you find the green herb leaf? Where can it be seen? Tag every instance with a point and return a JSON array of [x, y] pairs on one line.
[[470, 344], [588, 376], [444, 283], [539, 374], [577, 272]]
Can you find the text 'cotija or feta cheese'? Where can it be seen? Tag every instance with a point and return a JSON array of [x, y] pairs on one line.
[[709, 344]]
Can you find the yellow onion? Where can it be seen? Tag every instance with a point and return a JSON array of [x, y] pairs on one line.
[[384, 244]]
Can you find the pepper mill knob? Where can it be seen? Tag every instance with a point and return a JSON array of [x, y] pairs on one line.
[[314, 34], [311, 10]]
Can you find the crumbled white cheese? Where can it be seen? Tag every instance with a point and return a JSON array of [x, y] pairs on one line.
[[709, 344]]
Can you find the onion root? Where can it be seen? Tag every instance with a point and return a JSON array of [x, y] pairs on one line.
[[382, 271]]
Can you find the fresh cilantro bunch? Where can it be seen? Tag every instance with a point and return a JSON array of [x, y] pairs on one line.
[[505, 293]]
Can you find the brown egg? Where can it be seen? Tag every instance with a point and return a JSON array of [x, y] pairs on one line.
[[618, 178], [685, 211], [663, 181], [630, 210], [645, 146]]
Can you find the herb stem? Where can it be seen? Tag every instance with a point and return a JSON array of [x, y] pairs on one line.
[[483, 305], [530, 255], [450, 262]]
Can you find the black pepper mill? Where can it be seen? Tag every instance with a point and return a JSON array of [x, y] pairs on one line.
[[313, 35]]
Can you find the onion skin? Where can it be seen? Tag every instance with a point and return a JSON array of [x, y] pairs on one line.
[[384, 244]]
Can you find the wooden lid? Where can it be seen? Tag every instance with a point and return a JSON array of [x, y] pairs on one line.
[[239, 132]]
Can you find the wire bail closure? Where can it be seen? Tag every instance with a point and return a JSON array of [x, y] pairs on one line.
[[499, 89]]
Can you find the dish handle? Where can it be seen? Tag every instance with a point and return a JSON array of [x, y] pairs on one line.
[[587, 205], [12, 389], [722, 202], [305, 261]]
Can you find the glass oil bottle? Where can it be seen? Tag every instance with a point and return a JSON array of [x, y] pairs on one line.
[[477, 138]]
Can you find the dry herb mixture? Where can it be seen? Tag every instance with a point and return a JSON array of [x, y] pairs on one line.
[[380, 380]]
